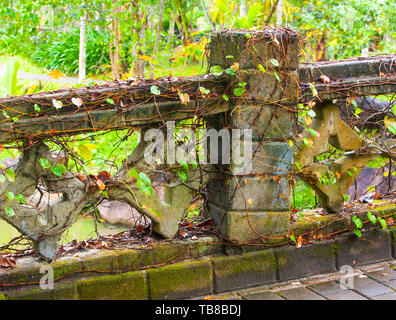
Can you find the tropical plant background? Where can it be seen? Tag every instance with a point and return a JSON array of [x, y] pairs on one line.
[[153, 38], [156, 37]]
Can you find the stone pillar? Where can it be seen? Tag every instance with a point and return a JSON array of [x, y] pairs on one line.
[[253, 203]]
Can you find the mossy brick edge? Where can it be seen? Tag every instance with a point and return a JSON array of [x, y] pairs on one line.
[[181, 280], [373, 246], [245, 270], [213, 273], [125, 286]]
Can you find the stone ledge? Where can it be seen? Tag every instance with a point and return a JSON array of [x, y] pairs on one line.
[[241, 271], [180, 280], [215, 273], [61, 291], [333, 223], [308, 260], [90, 262], [125, 286], [372, 246]]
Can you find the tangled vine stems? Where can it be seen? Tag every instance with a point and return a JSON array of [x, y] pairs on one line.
[[44, 227]]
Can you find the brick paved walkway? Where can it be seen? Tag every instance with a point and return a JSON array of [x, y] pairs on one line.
[[372, 282]]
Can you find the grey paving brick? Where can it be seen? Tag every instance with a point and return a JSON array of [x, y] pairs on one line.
[[227, 296], [389, 296], [345, 295], [326, 288], [390, 283], [300, 293], [266, 295], [369, 287], [384, 275]]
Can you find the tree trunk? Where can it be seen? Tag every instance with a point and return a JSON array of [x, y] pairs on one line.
[[186, 37], [279, 11], [205, 11], [157, 35], [274, 6], [82, 54], [243, 10], [115, 41], [142, 63], [171, 32]]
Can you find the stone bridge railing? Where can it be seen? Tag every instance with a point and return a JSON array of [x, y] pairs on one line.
[[256, 84]]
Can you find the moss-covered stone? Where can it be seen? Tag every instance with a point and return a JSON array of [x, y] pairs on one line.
[[128, 259], [371, 247], [237, 225], [242, 271], [126, 286], [310, 220], [153, 255], [61, 291], [393, 239], [307, 260], [171, 252], [203, 247], [27, 293], [27, 270], [66, 291], [181, 280], [383, 207], [103, 260], [66, 266]]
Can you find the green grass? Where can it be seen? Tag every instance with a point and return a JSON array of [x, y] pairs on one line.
[[303, 197], [26, 65], [165, 68]]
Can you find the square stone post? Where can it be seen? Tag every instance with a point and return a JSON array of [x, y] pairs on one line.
[[248, 204]]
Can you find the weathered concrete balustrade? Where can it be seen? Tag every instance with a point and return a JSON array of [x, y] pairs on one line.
[[256, 203], [260, 93]]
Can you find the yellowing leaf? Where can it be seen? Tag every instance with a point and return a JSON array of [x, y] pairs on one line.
[[31, 89], [184, 97], [56, 74], [125, 76], [155, 212], [261, 68], [235, 66], [86, 150], [100, 184], [390, 124], [299, 242], [146, 58]]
